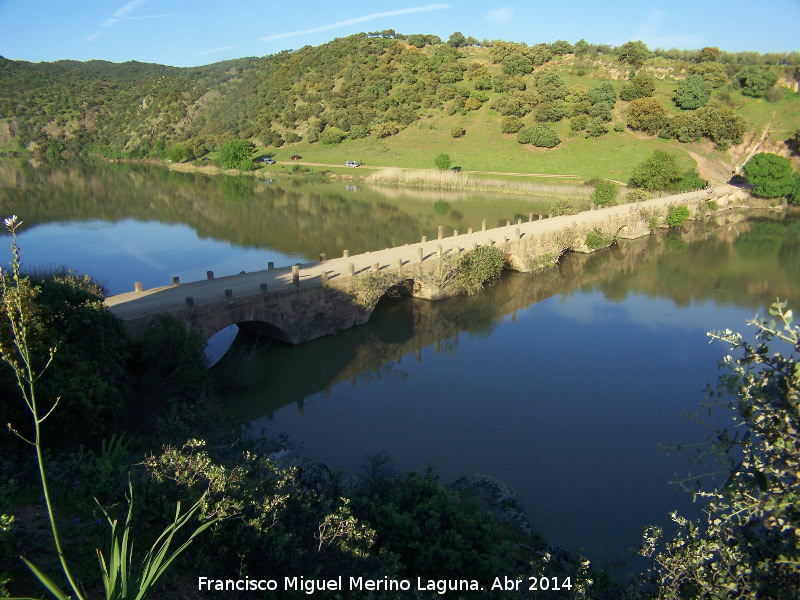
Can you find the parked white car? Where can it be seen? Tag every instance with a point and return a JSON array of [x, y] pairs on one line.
[[352, 163]]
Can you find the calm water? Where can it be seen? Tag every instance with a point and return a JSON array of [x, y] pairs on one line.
[[561, 384]]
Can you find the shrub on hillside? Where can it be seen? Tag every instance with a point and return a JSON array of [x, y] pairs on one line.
[[539, 135], [510, 124], [385, 129], [647, 114]]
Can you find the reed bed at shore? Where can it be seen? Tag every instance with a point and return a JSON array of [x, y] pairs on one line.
[[451, 180]]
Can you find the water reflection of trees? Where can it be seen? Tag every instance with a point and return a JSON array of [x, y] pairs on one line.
[[702, 262], [292, 216]]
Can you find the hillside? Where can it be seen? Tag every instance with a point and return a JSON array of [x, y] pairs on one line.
[[583, 110]]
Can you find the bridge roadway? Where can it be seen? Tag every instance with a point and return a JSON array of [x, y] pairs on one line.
[[168, 299]]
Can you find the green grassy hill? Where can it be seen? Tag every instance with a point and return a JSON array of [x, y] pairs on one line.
[[386, 102]]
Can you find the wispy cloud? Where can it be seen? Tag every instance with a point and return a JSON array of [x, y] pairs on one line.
[[501, 15], [372, 17], [124, 14], [223, 49], [93, 37]]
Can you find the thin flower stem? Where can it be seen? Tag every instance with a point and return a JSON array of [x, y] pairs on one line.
[[26, 378]]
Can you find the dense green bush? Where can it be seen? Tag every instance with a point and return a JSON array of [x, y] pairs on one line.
[[510, 124], [436, 532], [658, 172], [563, 206], [280, 517], [477, 267], [442, 161], [578, 122], [755, 81], [66, 312], [605, 192], [539, 135], [597, 127], [234, 152], [676, 215], [597, 239], [331, 136], [692, 92], [647, 114], [770, 174], [457, 131]]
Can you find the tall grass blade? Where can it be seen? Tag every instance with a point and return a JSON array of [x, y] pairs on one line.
[[46, 581]]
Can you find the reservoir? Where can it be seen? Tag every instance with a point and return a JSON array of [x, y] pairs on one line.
[[562, 384]]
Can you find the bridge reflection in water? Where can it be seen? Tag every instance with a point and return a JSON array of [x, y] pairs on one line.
[[265, 376]]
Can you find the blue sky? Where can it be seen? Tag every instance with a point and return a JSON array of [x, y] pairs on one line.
[[183, 33]]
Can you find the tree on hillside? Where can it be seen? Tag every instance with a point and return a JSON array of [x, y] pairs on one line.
[[712, 72], [721, 124], [234, 152], [708, 54], [456, 40], [442, 161], [539, 135], [517, 64], [581, 47], [643, 85], [692, 92], [633, 53], [770, 174], [603, 93], [755, 81], [647, 114], [656, 173], [560, 47]]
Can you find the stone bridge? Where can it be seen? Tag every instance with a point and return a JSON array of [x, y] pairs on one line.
[[307, 301]]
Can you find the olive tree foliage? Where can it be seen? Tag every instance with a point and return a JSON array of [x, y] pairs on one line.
[[234, 152], [712, 72], [770, 174], [749, 544], [692, 92], [721, 124]]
